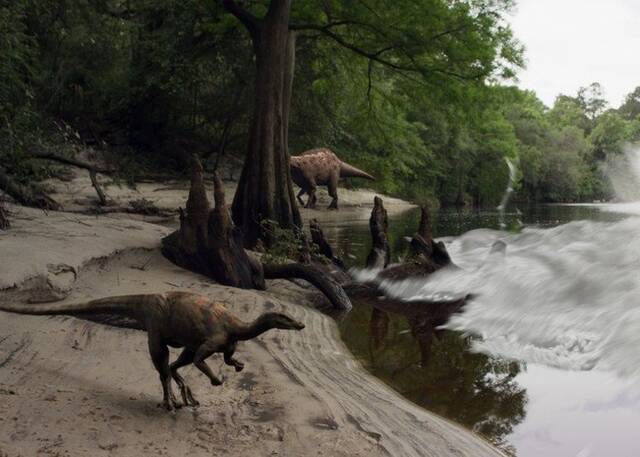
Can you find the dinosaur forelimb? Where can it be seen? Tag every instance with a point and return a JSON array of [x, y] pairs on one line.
[[231, 361], [206, 370]]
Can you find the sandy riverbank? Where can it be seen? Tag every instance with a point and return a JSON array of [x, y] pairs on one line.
[[78, 194], [72, 387]]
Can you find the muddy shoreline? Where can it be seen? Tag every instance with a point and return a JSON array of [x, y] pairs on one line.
[[73, 387]]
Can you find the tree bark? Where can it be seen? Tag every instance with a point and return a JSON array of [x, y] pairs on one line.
[[265, 190]]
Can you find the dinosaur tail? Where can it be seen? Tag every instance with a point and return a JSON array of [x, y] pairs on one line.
[[349, 171], [125, 305]]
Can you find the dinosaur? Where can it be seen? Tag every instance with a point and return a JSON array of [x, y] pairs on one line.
[[320, 167], [180, 320]]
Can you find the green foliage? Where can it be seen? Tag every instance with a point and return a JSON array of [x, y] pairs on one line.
[[609, 134], [18, 119], [630, 109], [284, 244], [412, 92], [563, 150]]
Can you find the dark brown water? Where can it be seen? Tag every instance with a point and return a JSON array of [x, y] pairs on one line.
[[435, 368]]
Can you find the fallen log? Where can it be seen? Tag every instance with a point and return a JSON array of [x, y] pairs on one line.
[[38, 152], [439, 310], [141, 206], [26, 195]]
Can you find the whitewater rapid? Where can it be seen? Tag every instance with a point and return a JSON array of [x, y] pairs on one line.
[[566, 297]]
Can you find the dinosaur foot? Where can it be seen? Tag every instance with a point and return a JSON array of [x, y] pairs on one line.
[[188, 398], [170, 405]]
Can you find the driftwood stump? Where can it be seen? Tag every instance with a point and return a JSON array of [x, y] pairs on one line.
[[208, 242], [318, 238], [380, 253], [423, 248], [426, 256]]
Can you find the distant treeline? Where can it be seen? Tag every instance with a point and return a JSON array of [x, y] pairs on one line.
[[154, 81]]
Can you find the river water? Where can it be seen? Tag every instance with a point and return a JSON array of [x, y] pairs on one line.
[[545, 361]]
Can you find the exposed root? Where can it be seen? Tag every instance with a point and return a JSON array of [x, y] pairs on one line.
[[326, 284]]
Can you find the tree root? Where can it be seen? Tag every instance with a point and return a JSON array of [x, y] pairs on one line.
[[326, 284]]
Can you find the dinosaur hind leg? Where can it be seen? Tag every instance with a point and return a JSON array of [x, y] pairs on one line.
[[185, 358], [311, 201], [230, 360], [160, 357], [300, 194], [208, 348], [332, 186]]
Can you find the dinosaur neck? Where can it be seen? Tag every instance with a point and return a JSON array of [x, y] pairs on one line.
[[247, 331]]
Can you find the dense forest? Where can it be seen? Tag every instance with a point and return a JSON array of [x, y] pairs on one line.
[[420, 94]]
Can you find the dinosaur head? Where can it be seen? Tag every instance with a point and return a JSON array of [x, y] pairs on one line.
[[282, 321]]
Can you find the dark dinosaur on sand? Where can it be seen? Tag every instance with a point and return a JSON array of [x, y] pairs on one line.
[[321, 167], [180, 320]]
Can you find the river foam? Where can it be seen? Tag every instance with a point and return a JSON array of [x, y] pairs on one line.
[[566, 297]]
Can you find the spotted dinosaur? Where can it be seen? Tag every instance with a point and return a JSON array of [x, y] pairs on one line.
[[180, 320], [321, 167]]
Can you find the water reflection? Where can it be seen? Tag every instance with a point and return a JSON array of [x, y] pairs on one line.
[[352, 240], [434, 368]]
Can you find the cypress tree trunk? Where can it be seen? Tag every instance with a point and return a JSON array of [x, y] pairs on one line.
[[265, 190]]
